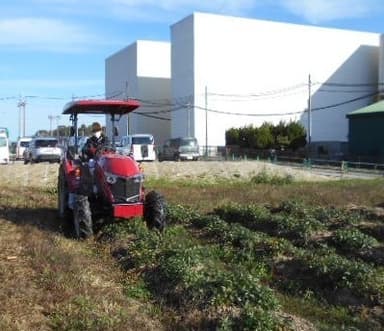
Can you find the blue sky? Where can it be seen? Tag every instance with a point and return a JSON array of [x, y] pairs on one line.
[[54, 50]]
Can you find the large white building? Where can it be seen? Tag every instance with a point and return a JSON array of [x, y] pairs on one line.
[[231, 72], [142, 71]]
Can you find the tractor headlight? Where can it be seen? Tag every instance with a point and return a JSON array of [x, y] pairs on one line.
[[110, 178], [138, 178]]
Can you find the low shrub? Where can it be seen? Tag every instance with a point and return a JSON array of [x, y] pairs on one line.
[[333, 271], [251, 216], [352, 239], [264, 177], [197, 275], [336, 217], [178, 214], [298, 229]]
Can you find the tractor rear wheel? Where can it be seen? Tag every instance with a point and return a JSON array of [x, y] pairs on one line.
[[64, 212], [155, 212], [82, 217]]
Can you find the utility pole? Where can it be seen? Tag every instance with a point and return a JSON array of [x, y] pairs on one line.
[[21, 105], [128, 119], [188, 119], [51, 118], [206, 121], [309, 110], [57, 126]]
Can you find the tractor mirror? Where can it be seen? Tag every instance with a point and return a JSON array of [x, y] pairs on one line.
[[72, 131], [115, 131]]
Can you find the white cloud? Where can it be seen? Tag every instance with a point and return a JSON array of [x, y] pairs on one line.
[[316, 11], [171, 11], [44, 34], [175, 5], [50, 84], [62, 35], [167, 11]]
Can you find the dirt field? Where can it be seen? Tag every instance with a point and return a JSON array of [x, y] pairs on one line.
[[46, 173], [50, 282], [223, 169]]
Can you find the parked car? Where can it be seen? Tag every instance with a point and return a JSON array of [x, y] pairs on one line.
[[43, 149], [140, 146], [182, 148], [21, 144], [4, 149]]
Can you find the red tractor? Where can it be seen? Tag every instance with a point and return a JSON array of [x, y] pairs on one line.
[[110, 186]]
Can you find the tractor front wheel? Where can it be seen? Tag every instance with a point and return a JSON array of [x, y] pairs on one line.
[[155, 211], [82, 217]]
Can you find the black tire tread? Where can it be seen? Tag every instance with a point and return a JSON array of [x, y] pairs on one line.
[[155, 211], [82, 217]]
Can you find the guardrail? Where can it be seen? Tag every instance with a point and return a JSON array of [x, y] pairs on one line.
[[341, 165]]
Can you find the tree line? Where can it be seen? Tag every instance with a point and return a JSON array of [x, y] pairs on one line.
[[291, 135], [284, 135], [65, 131]]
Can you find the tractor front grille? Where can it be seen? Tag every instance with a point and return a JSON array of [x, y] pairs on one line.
[[126, 190]]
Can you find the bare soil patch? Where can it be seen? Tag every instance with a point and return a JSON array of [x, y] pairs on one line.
[[226, 169], [46, 174]]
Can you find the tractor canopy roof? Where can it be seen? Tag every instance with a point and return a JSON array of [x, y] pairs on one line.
[[111, 106]]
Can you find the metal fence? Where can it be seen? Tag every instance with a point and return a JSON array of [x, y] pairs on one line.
[[298, 159]]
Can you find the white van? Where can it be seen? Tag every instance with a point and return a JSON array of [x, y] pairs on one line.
[[140, 146], [4, 149], [22, 144]]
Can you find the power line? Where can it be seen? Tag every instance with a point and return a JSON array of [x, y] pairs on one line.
[[290, 113], [152, 116], [9, 98], [342, 91], [167, 102], [351, 84], [260, 94], [245, 114], [348, 101], [177, 105], [164, 111]]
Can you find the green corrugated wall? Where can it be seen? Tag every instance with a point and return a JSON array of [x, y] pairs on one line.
[[366, 135]]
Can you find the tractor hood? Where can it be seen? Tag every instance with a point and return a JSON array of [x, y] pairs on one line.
[[119, 165]]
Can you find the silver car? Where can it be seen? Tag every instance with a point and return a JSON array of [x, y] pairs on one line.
[[182, 148], [43, 149]]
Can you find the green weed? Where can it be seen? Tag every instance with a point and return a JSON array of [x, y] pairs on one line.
[[352, 240]]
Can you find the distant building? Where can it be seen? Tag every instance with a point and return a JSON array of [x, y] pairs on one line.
[[231, 72], [142, 71], [366, 134]]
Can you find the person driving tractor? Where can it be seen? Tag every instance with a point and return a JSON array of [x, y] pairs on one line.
[[95, 142]]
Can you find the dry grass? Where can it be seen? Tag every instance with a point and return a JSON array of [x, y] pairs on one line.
[[48, 282], [336, 193]]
